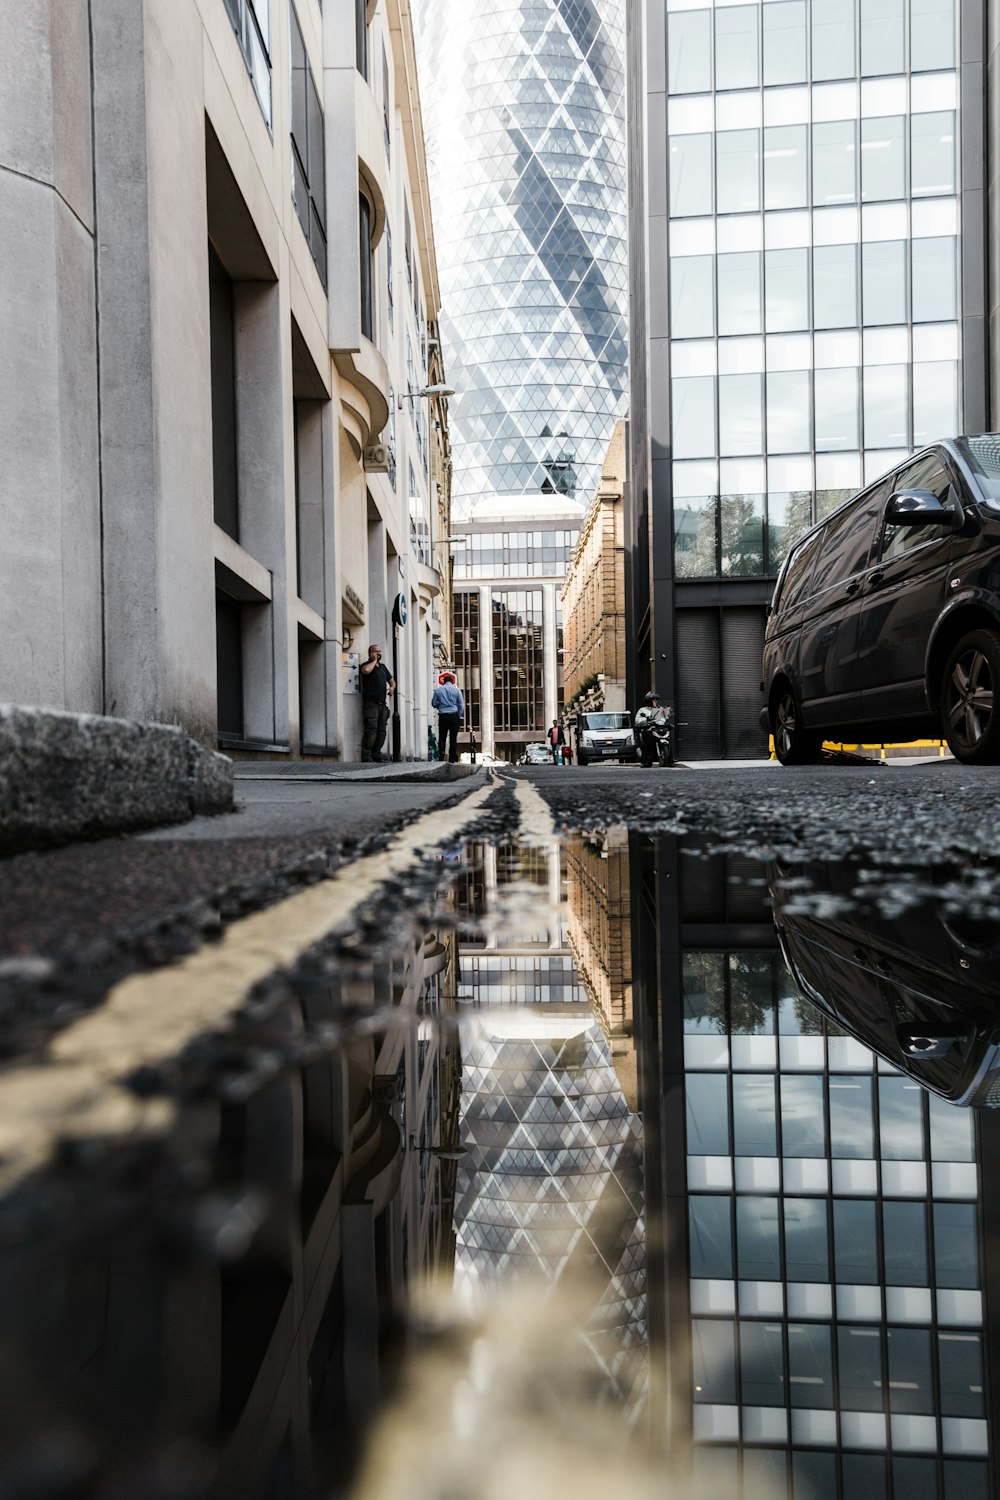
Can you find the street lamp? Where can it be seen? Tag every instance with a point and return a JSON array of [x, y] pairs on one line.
[[427, 390]]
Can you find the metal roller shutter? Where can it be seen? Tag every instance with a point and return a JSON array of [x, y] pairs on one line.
[[742, 645], [699, 735]]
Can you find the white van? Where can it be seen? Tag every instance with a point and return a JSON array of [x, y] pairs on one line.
[[604, 736]]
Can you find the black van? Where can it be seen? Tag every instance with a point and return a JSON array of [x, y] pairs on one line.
[[885, 620]]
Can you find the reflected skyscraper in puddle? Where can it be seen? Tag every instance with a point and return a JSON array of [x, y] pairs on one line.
[[822, 1323]]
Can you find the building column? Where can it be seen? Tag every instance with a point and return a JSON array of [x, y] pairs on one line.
[[550, 682], [486, 735]]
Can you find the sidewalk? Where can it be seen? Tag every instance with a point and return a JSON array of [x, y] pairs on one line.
[[404, 771]]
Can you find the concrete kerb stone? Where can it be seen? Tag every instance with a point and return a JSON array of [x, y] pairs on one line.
[[65, 777]]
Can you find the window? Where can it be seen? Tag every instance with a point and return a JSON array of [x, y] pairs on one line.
[[223, 356], [696, 540], [365, 262], [690, 175], [361, 35], [785, 167], [806, 1233], [785, 42], [517, 660], [845, 546], [832, 39], [935, 280], [387, 130], [786, 290], [834, 162], [932, 34], [420, 519], [691, 301], [741, 520], [388, 273], [740, 415], [739, 293], [902, 1111], [881, 37], [883, 159], [737, 155], [308, 150], [883, 283], [788, 412], [836, 410], [885, 403], [693, 416], [689, 52], [935, 400], [251, 23], [737, 50], [932, 153], [835, 286]]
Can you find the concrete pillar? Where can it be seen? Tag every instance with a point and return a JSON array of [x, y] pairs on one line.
[[550, 686], [487, 736]]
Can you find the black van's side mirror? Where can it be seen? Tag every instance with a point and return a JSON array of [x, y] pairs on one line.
[[919, 508]]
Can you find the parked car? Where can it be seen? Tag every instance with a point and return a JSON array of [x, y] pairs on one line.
[[536, 755], [885, 620], [919, 987], [604, 736], [483, 758]]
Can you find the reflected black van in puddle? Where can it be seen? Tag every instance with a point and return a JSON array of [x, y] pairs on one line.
[[885, 621], [918, 987]]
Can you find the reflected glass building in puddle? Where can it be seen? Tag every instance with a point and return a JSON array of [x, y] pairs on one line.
[[824, 1283], [808, 254]]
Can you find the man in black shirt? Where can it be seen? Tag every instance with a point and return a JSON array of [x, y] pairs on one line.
[[376, 681]]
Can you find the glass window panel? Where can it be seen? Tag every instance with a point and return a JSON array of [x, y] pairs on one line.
[[692, 296], [832, 39], [803, 1130], [785, 166], [836, 410], [815, 1475], [951, 1131], [788, 412], [786, 290], [956, 1244], [851, 1117], [713, 1358], [885, 406], [739, 293], [881, 37], [789, 516], [916, 1478], [960, 1363], [693, 425], [835, 162], [689, 51], [904, 1236], [855, 1241], [690, 175], [704, 983], [754, 1132], [932, 153], [935, 288], [935, 401], [785, 42], [751, 975], [707, 1115], [807, 1256], [737, 164], [932, 34], [883, 282], [900, 1101], [864, 1474], [810, 1365], [859, 1353], [883, 159], [696, 523], [740, 414], [762, 1364], [835, 286], [737, 51], [711, 1236], [911, 1385], [758, 1249], [742, 520]]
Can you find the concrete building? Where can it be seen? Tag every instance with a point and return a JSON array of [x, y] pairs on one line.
[[598, 897], [810, 300], [593, 595], [216, 460]]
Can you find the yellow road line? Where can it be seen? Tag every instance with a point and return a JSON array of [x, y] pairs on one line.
[[150, 1017], [535, 823]]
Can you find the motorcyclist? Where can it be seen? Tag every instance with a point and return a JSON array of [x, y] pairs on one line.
[[651, 713]]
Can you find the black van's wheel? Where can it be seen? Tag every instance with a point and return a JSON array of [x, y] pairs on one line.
[[971, 680], [793, 745]]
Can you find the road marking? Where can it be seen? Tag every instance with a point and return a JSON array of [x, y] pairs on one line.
[[535, 823], [151, 1017]]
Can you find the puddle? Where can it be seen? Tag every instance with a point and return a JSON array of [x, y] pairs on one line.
[[616, 1165]]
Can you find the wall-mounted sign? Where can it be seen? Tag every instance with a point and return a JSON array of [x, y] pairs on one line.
[[355, 603], [350, 669], [399, 610]]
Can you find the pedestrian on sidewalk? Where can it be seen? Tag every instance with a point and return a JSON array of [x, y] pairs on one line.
[[376, 681], [450, 705], [557, 740]]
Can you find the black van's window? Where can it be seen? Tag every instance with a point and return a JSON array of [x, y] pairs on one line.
[[845, 541], [797, 572], [928, 473]]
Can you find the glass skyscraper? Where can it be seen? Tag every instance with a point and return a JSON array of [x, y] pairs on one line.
[[814, 190]]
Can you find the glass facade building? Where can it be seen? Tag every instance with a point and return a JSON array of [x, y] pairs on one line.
[[820, 317]]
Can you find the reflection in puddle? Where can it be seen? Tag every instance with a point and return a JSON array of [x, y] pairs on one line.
[[645, 1208]]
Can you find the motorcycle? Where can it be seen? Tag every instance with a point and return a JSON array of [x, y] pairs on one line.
[[656, 738]]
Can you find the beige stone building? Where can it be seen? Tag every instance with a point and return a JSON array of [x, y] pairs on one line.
[[593, 596], [600, 939], [217, 274]]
